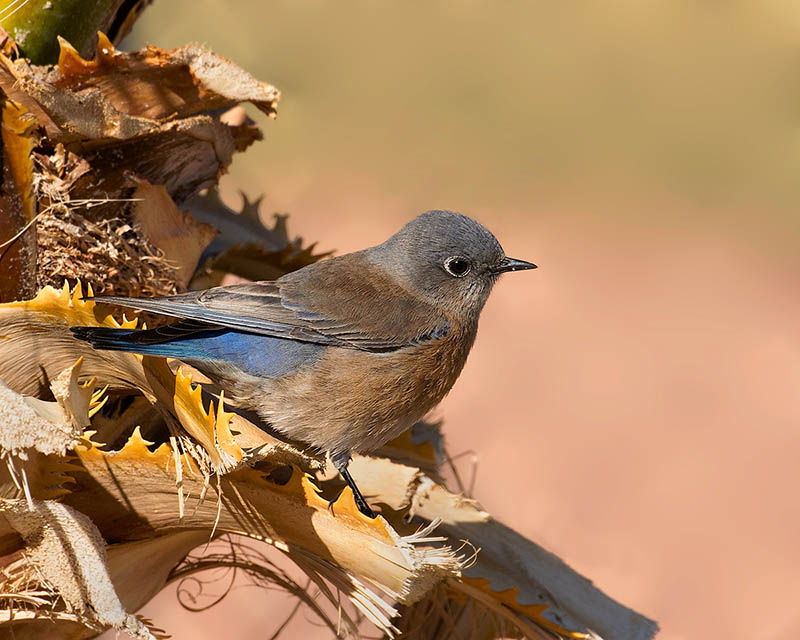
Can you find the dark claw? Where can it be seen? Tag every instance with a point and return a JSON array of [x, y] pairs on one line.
[[361, 502], [363, 507]]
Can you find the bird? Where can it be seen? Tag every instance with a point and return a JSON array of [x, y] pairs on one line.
[[343, 354]]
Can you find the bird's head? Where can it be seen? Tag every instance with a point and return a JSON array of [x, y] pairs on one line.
[[449, 259]]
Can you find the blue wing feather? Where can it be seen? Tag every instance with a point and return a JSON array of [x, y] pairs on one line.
[[257, 355]]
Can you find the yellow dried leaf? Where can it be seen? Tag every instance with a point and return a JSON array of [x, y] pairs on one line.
[[211, 429]]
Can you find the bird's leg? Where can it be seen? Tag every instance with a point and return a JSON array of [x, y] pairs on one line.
[[361, 502], [341, 462]]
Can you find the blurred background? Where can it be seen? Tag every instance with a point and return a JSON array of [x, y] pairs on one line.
[[633, 405]]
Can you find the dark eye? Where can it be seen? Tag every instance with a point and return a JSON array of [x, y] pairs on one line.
[[457, 266]]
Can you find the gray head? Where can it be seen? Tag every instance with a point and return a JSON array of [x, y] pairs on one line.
[[448, 258]]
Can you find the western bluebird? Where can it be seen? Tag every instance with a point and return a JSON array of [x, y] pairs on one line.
[[343, 354]]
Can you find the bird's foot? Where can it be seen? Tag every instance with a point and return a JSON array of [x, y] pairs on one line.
[[361, 503], [341, 463], [363, 507]]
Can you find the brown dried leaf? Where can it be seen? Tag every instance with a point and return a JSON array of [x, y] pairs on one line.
[[85, 116], [246, 247], [237, 227], [121, 95], [185, 156], [151, 113], [10, 71], [244, 129], [254, 262], [59, 171], [157, 84], [176, 233]]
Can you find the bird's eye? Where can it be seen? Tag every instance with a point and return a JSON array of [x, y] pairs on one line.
[[457, 266]]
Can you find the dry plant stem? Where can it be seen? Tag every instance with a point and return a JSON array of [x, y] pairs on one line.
[[17, 208]]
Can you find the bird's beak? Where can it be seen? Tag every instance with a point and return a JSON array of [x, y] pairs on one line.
[[512, 264]]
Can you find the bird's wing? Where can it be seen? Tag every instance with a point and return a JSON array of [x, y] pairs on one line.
[[346, 315]]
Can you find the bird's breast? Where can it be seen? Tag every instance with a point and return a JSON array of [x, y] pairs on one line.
[[357, 400]]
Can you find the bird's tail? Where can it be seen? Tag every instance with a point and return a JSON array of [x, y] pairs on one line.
[[159, 341]]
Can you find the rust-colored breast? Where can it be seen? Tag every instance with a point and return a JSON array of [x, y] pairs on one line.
[[356, 400]]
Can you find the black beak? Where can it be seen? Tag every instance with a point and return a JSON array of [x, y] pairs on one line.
[[512, 264]]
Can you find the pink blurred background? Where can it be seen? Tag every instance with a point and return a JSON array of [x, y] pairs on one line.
[[633, 404]]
